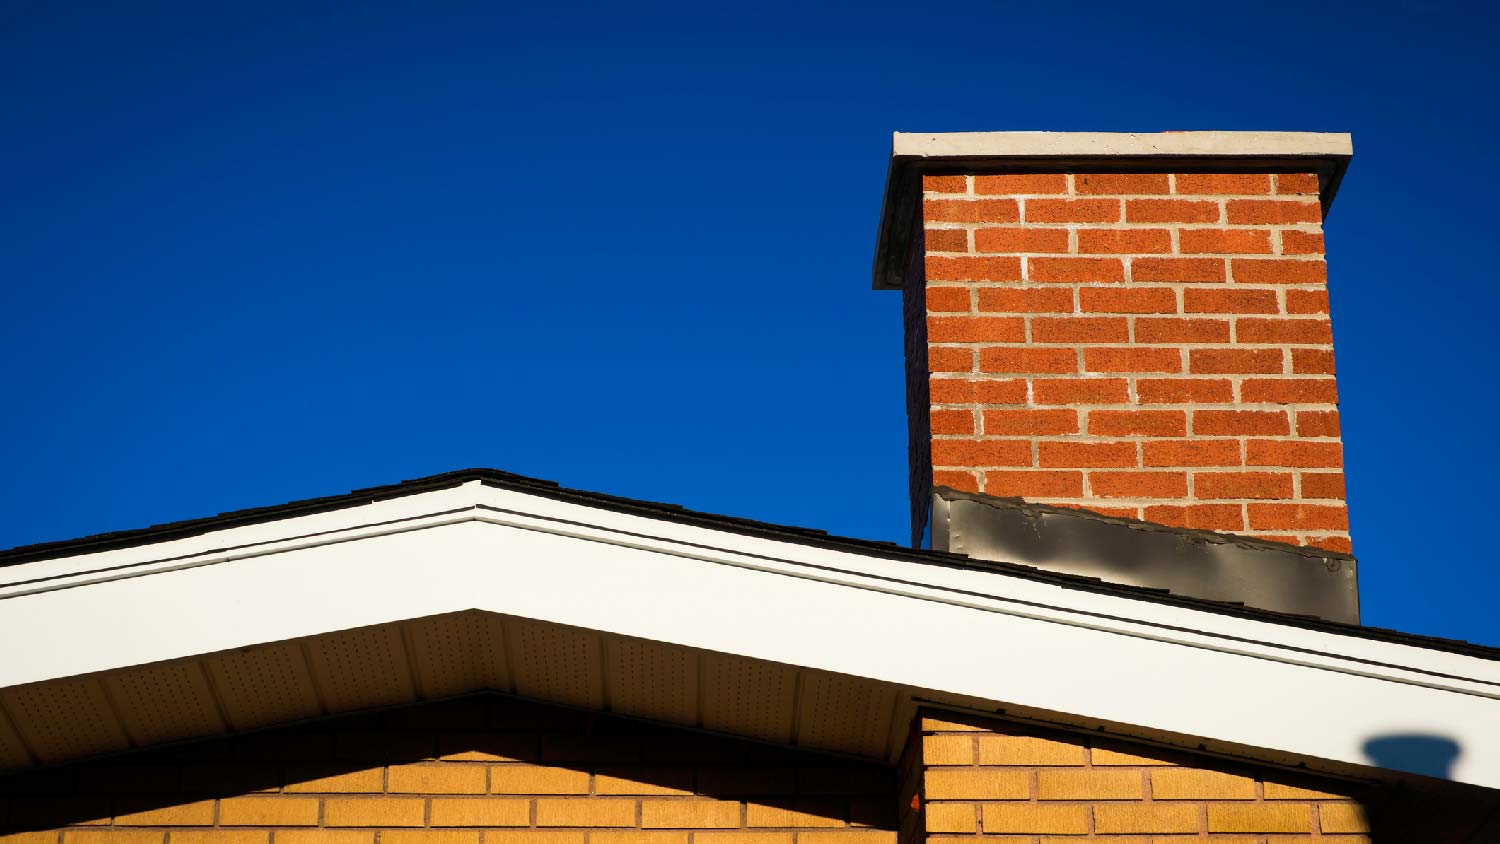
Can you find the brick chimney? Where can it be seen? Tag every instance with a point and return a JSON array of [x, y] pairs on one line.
[[1135, 324]]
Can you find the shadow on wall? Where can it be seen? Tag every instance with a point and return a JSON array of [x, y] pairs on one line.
[[1416, 753]]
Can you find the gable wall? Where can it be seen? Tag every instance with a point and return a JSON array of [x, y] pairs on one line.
[[1011, 784], [480, 770]]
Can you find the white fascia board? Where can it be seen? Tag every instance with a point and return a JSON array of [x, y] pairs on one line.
[[1121, 144], [1157, 666]]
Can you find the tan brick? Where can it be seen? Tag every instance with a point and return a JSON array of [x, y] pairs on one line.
[[373, 811], [643, 781], [869, 836], [480, 811], [803, 813], [200, 813], [950, 817], [932, 724], [1259, 817], [112, 836], [1103, 756], [268, 811], [1145, 817], [533, 836], [430, 836], [321, 836], [435, 779], [219, 836], [1035, 818], [1277, 791], [947, 750], [686, 814], [370, 781], [756, 837], [50, 836], [1342, 817], [1190, 784], [1089, 785], [585, 812], [976, 784], [637, 836], [537, 779], [1028, 750]]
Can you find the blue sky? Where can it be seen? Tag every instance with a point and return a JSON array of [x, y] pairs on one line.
[[279, 251]]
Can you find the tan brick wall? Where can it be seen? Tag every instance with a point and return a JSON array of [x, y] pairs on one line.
[[987, 781], [484, 770], [1151, 345]]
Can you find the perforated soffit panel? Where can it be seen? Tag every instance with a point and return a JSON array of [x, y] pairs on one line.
[[437, 657]]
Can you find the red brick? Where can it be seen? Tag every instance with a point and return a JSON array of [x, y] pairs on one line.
[[961, 391], [1289, 391], [1170, 330], [1124, 241], [1191, 453], [1295, 242], [1223, 183], [962, 481], [1134, 359], [1308, 331], [1026, 300], [1234, 361], [1184, 391], [951, 422], [1307, 301], [971, 211], [1318, 423], [1138, 423], [952, 299], [1035, 484], [1260, 212], [946, 240], [1138, 484], [972, 268], [1278, 271], [1171, 211], [1069, 454], [1080, 330], [1312, 361], [976, 329], [1021, 239], [1199, 516], [1299, 453], [1296, 183], [1299, 517], [950, 360], [981, 453], [1197, 300], [1072, 210], [1224, 241], [945, 184], [1069, 270], [1263, 485], [1323, 485], [1028, 360], [1340, 544], [1053, 391], [1128, 300], [1240, 423], [1177, 269], [1021, 183], [1122, 183], [1012, 423]]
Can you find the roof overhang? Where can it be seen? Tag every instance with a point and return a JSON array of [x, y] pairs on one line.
[[326, 601], [916, 153]]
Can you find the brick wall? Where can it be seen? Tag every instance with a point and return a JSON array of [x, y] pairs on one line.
[[484, 770], [1010, 784], [1150, 345]]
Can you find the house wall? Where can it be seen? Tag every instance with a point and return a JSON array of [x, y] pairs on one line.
[[1153, 345], [1010, 783], [482, 770]]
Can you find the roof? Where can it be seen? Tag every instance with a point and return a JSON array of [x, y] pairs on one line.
[[916, 153], [487, 580], [750, 527]]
